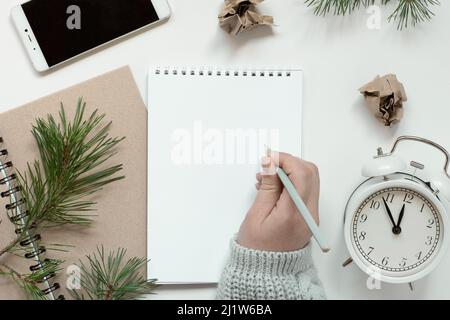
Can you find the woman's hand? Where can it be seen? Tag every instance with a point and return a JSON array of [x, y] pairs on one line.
[[273, 223]]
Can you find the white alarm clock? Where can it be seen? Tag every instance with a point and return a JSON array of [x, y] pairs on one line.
[[396, 224]]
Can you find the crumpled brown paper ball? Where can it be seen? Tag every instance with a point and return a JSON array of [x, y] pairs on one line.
[[384, 97], [240, 15]]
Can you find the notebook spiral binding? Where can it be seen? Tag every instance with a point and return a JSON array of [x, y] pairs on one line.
[[227, 72], [17, 213]]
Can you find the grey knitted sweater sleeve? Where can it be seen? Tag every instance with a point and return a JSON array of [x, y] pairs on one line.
[[252, 274]]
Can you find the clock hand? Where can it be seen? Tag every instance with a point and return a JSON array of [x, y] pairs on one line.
[[400, 217], [395, 229]]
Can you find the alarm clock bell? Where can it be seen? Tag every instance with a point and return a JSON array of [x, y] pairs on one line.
[[382, 165], [440, 184]]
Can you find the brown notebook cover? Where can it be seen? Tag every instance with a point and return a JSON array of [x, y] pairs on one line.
[[121, 206]]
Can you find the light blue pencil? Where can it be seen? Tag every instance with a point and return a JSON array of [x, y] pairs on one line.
[[303, 210]]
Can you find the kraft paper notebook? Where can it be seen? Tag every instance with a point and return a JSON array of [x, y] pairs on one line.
[[207, 131], [121, 207]]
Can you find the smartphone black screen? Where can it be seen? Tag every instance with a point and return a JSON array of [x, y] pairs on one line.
[[66, 28]]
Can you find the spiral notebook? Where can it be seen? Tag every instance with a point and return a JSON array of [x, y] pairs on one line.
[[207, 130], [120, 219]]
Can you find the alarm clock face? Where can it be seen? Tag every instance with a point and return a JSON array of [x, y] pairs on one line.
[[397, 231]]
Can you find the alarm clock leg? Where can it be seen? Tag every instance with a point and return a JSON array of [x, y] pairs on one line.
[[347, 262], [411, 286]]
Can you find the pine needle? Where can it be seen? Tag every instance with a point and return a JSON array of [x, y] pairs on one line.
[[407, 13], [109, 276], [55, 188], [30, 283], [411, 12]]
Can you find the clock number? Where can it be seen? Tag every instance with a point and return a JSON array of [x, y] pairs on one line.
[[375, 204], [362, 235], [370, 250], [363, 218], [390, 197], [403, 262], [429, 240], [418, 255], [430, 223], [408, 198], [423, 207], [385, 261]]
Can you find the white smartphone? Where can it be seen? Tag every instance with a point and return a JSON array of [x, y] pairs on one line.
[[56, 31]]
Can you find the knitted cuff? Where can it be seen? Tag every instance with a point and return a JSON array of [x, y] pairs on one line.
[[267, 262]]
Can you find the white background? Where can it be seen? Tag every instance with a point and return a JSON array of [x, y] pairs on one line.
[[338, 56]]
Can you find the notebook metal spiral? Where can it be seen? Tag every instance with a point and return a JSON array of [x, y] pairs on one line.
[[17, 213], [222, 71]]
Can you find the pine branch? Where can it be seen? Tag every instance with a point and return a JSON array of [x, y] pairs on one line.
[[55, 187], [11, 245], [411, 12], [408, 12], [338, 7], [30, 282], [110, 277]]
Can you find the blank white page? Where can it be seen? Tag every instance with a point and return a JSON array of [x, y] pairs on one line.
[[206, 133]]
